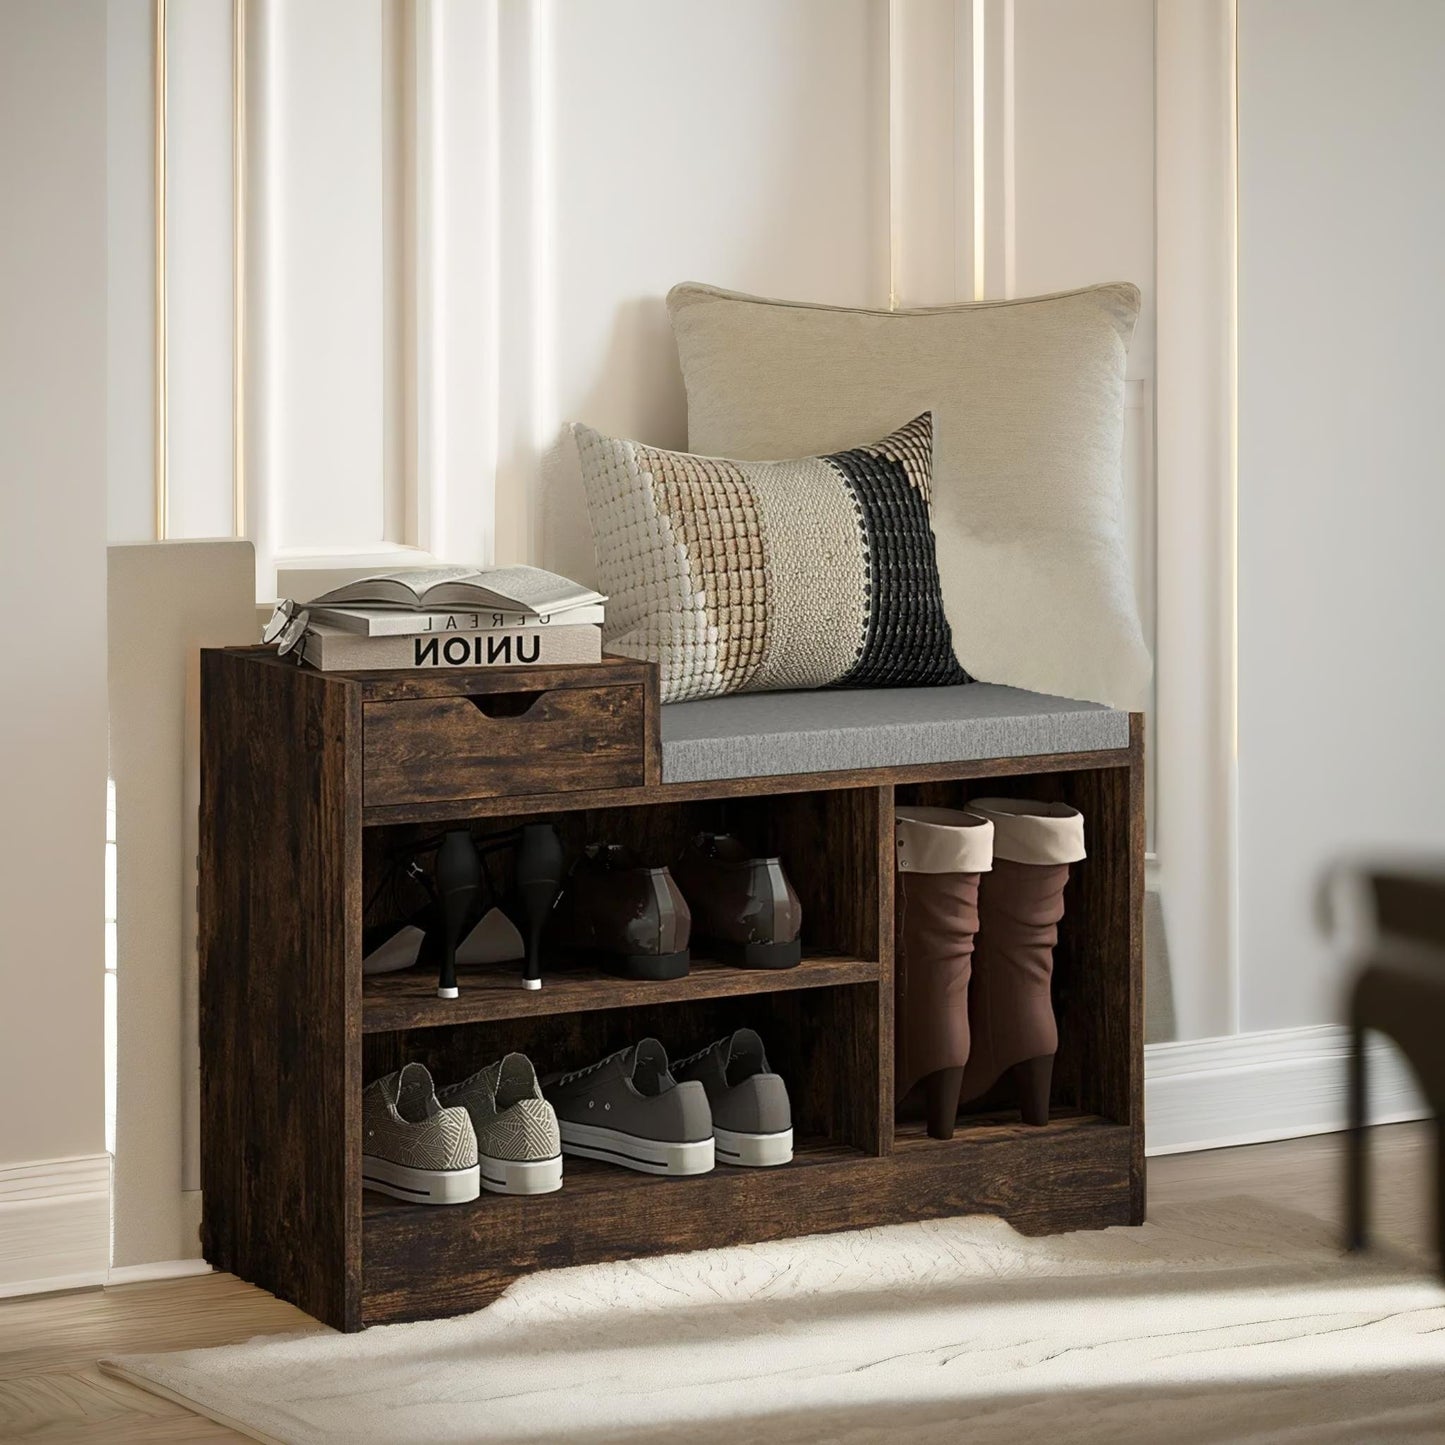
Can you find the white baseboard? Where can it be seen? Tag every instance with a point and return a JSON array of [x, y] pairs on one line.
[[161, 1269], [54, 1224], [1249, 1088]]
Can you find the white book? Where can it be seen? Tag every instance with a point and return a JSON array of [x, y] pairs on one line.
[[330, 650], [502, 589], [402, 622]]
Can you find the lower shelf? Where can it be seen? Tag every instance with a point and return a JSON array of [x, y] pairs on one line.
[[910, 1135], [421, 1263]]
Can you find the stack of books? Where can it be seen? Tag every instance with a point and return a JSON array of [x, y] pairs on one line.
[[438, 617]]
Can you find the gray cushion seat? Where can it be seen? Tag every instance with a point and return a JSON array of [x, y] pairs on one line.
[[767, 734]]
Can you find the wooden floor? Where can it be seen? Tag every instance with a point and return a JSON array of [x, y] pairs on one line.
[[51, 1390]]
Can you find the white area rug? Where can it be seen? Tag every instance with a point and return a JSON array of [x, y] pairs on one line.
[[1223, 1321]]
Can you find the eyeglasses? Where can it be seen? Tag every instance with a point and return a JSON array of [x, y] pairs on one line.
[[287, 627]]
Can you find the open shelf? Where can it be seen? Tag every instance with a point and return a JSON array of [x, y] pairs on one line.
[[607, 1184], [407, 1000]]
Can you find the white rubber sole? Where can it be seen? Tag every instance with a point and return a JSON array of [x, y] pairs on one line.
[[756, 1151], [647, 1156], [421, 1186], [521, 1176]]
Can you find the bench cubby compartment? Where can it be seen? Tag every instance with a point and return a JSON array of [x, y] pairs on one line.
[[1094, 985]]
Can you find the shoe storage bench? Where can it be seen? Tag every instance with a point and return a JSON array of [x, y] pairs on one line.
[[310, 780]]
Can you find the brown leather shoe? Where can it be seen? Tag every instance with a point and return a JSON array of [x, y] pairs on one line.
[[630, 918], [745, 909]]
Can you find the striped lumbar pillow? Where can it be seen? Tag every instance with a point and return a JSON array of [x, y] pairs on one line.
[[757, 576]]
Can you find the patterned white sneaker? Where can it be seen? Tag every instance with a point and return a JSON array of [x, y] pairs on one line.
[[412, 1148], [518, 1145]]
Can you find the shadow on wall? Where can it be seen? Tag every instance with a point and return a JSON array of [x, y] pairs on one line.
[[1160, 1024]]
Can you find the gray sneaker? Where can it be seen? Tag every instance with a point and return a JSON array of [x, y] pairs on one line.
[[412, 1148], [752, 1121], [627, 1109], [517, 1140]]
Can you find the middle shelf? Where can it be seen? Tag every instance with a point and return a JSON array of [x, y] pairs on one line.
[[407, 1000]]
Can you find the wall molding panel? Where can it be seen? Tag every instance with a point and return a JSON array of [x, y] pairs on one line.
[[1195, 675], [453, 425], [951, 150]]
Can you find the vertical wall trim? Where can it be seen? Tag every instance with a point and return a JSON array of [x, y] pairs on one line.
[[1236, 1005], [429, 97], [544, 406], [930, 142], [238, 268], [978, 91], [492, 334], [895, 148], [951, 151], [264, 378], [455, 236], [1196, 677], [162, 481], [995, 102]]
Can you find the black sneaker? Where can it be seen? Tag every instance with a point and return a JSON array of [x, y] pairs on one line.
[[627, 1109]]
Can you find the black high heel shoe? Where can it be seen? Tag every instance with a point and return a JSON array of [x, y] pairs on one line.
[[497, 922], [457, 876], [540, 866], [432, 932], [456, 927], [536, 882]]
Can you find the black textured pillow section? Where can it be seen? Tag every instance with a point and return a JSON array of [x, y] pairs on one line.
[[909, 642]]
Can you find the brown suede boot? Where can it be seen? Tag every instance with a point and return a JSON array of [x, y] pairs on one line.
[[1020, 903], [940, 852]]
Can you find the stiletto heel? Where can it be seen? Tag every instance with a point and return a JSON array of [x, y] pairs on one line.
[[1032, 1078], [940, 1095], [539, 879], [458, 875]]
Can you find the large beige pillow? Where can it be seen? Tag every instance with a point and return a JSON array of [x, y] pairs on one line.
[[1028, 405]]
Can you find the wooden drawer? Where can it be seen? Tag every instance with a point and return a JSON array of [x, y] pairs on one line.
[[502, 744]]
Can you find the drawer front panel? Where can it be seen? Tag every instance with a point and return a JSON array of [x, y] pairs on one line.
[[432, 750]]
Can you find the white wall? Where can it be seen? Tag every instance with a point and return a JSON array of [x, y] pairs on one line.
[[1341, 470], [744, 145], [52, 488], [52, 647]]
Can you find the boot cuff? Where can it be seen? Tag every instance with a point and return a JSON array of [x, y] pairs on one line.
[[1026, 831], [943, 840]]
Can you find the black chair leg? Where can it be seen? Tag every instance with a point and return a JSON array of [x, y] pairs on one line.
[[1357, 1184], [1440, 1195]]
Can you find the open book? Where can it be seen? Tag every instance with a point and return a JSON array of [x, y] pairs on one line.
[[519, 589]]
